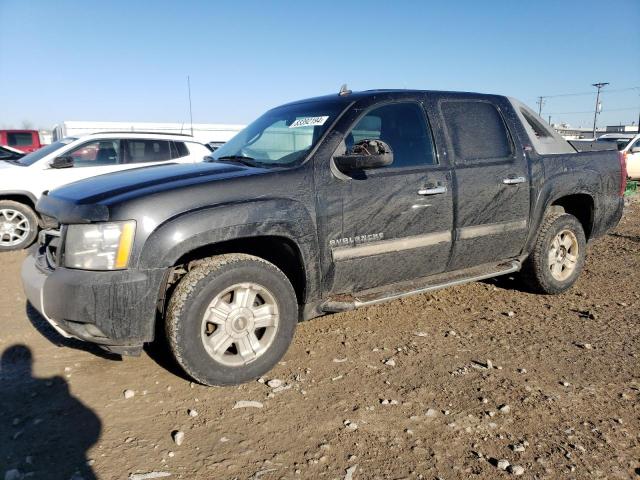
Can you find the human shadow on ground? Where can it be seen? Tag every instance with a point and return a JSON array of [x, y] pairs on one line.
[[45, 431]]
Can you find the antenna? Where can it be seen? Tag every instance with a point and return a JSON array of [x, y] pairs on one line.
[[344, 90], [190, 112]]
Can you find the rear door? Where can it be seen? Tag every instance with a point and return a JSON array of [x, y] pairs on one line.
[[491, 182], [396, 220]]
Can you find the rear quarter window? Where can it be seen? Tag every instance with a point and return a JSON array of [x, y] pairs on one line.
[[179, 150], [476, 130]]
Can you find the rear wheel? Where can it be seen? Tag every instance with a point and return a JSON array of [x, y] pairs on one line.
[[18, 225], [558, 255], [231, 319]]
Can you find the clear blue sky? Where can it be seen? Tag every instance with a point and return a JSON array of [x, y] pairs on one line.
[[128, 60]]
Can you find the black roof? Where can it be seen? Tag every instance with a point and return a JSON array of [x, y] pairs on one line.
[[391, 92]]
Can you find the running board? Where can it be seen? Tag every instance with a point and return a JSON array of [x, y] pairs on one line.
[[343, 303]]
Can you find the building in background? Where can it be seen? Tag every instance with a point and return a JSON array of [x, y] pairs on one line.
[[203, 132], [577, 133]]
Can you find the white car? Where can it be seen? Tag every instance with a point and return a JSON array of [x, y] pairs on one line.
[[22, 181], [632, 152], [629, 145]]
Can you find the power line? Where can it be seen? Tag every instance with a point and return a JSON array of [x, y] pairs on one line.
[[615, 90]]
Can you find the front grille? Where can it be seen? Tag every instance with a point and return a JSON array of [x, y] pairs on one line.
[[48, 249]]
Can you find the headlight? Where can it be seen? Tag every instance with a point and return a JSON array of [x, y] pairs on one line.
[[99, 246]]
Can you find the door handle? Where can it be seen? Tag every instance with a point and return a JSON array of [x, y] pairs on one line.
[[433, 190], [513, 180]]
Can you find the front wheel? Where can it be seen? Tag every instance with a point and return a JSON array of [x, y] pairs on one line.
[[18, 225], [231, 319], [558, 255]]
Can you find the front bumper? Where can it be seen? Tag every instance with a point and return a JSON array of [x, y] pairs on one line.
[[114, 309]]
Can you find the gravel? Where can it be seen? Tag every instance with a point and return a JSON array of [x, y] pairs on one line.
[[274, 383], [178, 437], [516, 470], [148, 476], [247, 404], [350, 471]]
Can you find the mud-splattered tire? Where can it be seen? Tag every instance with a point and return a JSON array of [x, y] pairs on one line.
[[558, 255], [18, 225], [231, 319]]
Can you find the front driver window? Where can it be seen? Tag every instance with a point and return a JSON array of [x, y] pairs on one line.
[[96, 154], [403, 127]]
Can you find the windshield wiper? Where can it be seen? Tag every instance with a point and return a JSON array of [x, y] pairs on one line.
[[248, 161]]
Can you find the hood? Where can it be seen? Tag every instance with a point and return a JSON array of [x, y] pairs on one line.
[[5, 166], [147, 180], [90, 199]]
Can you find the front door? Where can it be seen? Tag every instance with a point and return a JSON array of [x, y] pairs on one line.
[[491, 184], [396, 220]]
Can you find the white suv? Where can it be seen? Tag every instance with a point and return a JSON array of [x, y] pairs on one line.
[[22, 181]]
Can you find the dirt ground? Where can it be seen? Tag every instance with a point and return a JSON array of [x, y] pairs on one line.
[[480, 373]]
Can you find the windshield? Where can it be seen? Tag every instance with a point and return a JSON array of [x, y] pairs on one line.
[[9, 154], [33, 157], [282, 136], [620, 142]]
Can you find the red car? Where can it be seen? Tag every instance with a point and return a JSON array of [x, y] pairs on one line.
[[24, 140]]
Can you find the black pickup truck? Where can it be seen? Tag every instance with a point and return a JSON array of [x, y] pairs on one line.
[[319, 206]]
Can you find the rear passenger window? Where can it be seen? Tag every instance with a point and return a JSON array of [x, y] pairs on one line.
[[476, 130], [140, 151], [403, 127]]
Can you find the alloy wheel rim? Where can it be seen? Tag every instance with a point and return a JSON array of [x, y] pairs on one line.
[[240, 324], [563, 255], [14, 227]]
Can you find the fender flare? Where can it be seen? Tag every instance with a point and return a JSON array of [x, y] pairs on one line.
[[261, 218], [562, 185], [21, 193]]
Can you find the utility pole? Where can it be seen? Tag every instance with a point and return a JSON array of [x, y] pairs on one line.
[[598, 85], [540, 102], [549, 119]]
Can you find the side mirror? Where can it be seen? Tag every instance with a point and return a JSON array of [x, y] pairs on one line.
[[364, 155], [62, 162], [635, 150]]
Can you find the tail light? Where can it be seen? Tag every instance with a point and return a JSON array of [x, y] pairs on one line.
[[623, 172]]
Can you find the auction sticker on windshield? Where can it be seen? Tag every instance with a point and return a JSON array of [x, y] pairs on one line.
[[308, 122]]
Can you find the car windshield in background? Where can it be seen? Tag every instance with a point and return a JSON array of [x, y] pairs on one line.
[[620, 142], [33, 157], [282, 136]]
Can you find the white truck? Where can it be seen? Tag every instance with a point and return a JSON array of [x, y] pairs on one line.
[[72, 158]]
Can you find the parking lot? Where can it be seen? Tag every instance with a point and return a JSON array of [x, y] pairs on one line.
[[435, 386]]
